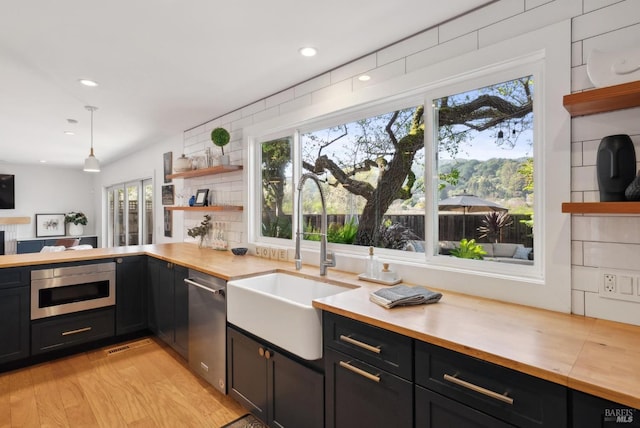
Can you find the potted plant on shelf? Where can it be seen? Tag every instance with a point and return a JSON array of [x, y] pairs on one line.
[[76, 221], [220, 137], [201, 231]]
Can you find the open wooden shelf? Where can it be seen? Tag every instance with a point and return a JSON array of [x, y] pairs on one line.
[[15, 220], [206, 171], [601, 207], [601, 100], [211, 208]]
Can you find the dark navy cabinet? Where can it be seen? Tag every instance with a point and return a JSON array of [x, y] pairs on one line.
[[14, 314], [368, 372], [169, 303], [588, 411], [131, 294], [454, 389], [272, 385]]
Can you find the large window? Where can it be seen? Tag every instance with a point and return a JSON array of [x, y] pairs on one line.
[[484, 148], [381, 190]]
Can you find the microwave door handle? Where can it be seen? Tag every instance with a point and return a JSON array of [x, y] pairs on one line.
[[219, 291]]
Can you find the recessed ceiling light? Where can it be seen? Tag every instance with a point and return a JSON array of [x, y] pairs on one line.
[[43, 161], [69, 133], [364, 78], [87, 82], [308, 51]]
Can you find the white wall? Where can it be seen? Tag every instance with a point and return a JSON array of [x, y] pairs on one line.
[[49, 190]]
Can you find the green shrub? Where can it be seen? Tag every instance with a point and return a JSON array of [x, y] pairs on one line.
[[468, 249]]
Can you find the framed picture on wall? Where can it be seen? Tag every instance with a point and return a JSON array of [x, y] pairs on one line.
[[168, 194], [168, 223], [167, 161], [49, 225]]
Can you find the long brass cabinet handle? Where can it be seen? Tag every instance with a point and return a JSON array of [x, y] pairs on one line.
[[361, 372], [370, 348], [80, 330], [484, 391]]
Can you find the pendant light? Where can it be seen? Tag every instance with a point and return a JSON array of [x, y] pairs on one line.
[[91, 163]]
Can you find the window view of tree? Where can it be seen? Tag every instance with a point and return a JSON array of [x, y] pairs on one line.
[[373, 171], [370, 167], [485, 165], [276, 188]]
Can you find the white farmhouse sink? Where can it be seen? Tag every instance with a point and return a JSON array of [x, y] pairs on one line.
[[277, 308]]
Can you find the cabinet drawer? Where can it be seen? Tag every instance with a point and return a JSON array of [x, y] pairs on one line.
[[14, 277], [435, 411], [68, 330], [511, 396], [381, 348], [361, 395]]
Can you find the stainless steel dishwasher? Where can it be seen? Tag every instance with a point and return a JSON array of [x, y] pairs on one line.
[[207, 328]]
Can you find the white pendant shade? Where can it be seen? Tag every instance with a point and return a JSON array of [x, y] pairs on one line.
[[91, 164]]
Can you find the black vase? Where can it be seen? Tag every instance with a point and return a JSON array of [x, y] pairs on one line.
[[615, 166]]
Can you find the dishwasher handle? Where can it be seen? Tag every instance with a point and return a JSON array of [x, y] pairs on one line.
[[218, 291]]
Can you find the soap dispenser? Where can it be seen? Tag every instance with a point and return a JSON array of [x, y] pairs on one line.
[[372, 265]]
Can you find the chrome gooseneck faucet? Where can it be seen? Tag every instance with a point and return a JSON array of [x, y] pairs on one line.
[[326, 260]]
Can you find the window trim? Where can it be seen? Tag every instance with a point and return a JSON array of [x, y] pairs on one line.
[[553, 290]]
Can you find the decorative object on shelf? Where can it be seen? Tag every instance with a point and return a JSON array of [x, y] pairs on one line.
[[76, 222], [202, 198], [632, 192], [91, 163], [615, 167], [613, 68], [201, 231], [49, 225], [167, 163], [239, 251], [220, 137], [192, 200], [182, 164]]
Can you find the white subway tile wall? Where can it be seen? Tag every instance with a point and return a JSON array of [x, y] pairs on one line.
[[597, 241], [601, 241]]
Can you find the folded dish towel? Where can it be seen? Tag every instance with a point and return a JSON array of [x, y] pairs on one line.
[[401, 295]]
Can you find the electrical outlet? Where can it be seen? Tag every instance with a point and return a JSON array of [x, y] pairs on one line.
[[619, 285], [609, 283]]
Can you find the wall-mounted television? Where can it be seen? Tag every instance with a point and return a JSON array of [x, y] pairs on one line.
[[7, 192]]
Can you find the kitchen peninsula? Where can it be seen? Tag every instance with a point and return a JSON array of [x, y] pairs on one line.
[[567, 350]]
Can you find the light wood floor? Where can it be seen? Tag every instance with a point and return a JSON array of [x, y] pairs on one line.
[[148, 386]]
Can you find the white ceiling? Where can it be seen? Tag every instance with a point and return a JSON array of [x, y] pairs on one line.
[[167, 65]]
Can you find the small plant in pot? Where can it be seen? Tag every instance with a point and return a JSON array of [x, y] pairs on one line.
[[76, 222], [201, 231], [220, 137]]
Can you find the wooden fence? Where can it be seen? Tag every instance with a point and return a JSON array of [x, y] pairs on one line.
[[449, 226]]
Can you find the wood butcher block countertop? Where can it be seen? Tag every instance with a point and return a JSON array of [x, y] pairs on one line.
[[595, 356]]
